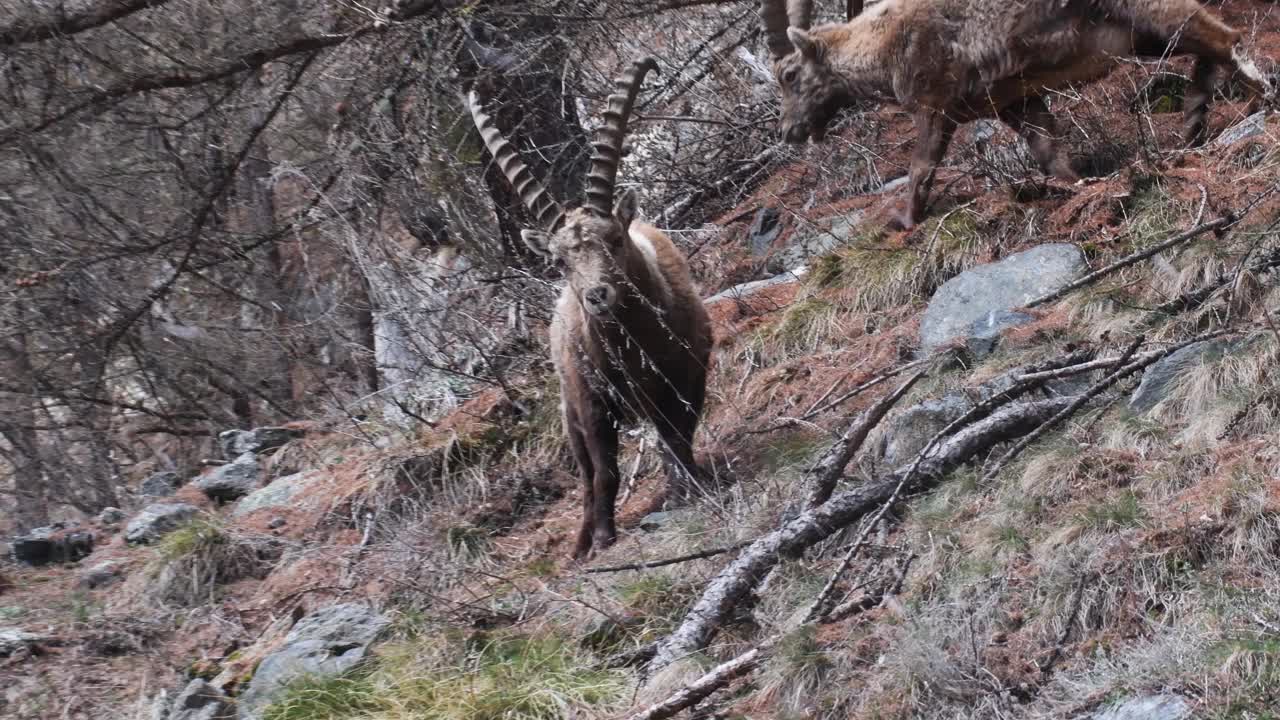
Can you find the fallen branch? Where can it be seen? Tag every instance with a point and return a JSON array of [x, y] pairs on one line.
[[1094, 390], [737, 579], [670, 561], [1134, 258], [824, 474], [700, 689], [819, 409]]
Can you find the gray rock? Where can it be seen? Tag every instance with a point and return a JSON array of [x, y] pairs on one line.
[[984, 333], [1011, 283], [287, 490], [276, 522], [104, 573], [822, 238], [907, 433], [13, 640], [1250, 127], [201, 701], [111, 516], [325, 643], [161, 484], [1159, 379], [233, 480], [157, 520], [1150, 707], [739, 292], [235, 443], [56, 543], [764, 230]]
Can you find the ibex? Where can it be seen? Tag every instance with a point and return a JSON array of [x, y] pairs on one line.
[[953, 61], [630, 337]]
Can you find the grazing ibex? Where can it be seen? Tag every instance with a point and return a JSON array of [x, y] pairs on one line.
[[953, 61], [630, 337]]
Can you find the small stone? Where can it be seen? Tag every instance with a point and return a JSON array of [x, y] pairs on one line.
[[276, 522], [53, 544], [200, 700], [104, 573], [1252, 126], [157, 520], [1149, 707], [111, 516], [235, 443], [231, 481], [1160, 378], [13, 640], [765, 227], [161, 484]]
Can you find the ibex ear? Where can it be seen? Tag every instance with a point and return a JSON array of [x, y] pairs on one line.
[[803, 43], [537, 241], [625, 208]]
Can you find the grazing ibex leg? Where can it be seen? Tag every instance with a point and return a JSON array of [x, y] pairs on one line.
[[1195, 103], [934, 134], [1202, 34], [1032, 120]]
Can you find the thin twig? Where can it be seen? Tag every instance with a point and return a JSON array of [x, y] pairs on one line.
[[671, 561]]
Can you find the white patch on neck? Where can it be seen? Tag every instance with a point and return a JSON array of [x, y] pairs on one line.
[[642, 243]]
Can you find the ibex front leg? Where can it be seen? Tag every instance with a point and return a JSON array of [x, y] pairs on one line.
[[935, 130], [602, 446]]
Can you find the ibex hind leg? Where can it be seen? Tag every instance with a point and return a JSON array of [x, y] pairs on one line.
[[677, 435], [1032, 120], [1202, 34], [1195, 103]]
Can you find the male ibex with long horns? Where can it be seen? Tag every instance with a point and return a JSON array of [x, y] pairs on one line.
[[630, 337], [954, 61]]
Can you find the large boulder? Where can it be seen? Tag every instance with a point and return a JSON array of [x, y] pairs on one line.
[[284, 491], [235, 443], [104, 573], [200, 700], [161, 484], [1160, 379], [233, 480], [157, 520], [56, 543], [327, 642], [974, 298], [1149, 707]]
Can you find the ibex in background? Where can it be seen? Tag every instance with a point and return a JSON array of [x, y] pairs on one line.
[[630, 337], [954, 61]]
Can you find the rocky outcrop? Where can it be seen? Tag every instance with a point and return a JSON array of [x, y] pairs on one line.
[[908, 432], [233, 480], [325, 643], [157, 520], [161, 484], [820, 238], [1250, 127], [56, 543], [235, 443], [975, 298]]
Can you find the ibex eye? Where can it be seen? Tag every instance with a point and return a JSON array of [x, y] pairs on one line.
[[789, 76]]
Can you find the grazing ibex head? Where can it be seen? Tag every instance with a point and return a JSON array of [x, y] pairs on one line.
[[589, 240], [812, 93]]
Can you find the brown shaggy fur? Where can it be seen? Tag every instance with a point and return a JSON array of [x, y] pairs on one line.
[[630, 340], [953, 61]]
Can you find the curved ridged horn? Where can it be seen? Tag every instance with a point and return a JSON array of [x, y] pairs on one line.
[[800, 13], [535, 197], [607, 147], [775, 20]]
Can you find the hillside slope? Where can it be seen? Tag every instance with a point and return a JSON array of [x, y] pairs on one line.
[[1127, 557]]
